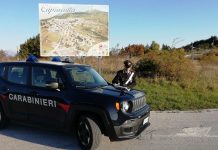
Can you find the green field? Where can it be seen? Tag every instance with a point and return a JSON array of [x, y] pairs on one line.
[[165, 95]]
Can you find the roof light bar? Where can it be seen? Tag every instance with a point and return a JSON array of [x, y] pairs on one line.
[[31, 58], [56, 59]]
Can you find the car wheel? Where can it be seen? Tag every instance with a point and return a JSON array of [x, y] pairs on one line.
[[88, 133], [2, 118]]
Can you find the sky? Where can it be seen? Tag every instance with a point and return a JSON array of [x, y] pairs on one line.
[[172, 22]]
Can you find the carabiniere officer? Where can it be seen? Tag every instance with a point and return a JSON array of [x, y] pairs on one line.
[[125, 77]]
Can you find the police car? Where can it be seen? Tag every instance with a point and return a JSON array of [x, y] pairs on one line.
[[72, 97]]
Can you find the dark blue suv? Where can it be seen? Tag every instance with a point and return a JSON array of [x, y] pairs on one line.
[[72, 97]]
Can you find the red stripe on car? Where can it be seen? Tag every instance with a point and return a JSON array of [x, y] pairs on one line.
[[3, 97], [65, 107]]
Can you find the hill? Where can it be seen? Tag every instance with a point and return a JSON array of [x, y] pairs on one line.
[[209, 43]]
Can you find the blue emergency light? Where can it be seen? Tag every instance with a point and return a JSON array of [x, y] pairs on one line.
[[31, 58], [56, 59]]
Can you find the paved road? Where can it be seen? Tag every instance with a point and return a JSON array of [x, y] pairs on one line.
[[168, 131]]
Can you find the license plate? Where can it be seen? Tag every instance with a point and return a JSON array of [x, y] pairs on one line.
[[145, 121]]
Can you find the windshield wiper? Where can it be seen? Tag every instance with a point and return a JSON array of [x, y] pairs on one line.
[[81, 86], [122, 88], [99, 86], [89, 87]]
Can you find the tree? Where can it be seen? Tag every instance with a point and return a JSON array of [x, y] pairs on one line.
[[166, 47], [154, 46], [3, 55], [115, 50], [206, 44], [31, 46], [147, 48], [133, 50]]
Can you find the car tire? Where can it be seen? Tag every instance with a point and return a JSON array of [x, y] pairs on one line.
[[88, 133], [3, 120]]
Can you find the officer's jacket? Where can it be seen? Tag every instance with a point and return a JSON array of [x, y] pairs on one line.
[[122, 76]]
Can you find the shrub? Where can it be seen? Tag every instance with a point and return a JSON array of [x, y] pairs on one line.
[[171, 65], [210, 58], [147, 68]]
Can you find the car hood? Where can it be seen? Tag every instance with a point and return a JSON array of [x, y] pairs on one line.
[[108, 92]]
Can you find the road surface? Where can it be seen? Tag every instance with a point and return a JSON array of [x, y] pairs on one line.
[[190, 130]]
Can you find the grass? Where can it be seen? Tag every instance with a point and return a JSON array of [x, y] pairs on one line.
[[165, 95]]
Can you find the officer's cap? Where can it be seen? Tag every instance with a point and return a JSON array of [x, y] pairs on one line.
[[127, 63]]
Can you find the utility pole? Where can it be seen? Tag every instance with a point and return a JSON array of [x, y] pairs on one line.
[[18, 53], [99, 64], [84, 59], [212, 44], [192, 52]]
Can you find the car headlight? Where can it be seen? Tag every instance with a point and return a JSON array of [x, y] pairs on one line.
[[124, 106]]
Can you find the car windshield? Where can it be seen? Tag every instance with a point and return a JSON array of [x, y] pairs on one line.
[[85, 77]]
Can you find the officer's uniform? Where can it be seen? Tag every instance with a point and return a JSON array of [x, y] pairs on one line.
[[122, 77]]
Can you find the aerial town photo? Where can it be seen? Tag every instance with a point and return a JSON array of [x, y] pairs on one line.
[[75, 34]]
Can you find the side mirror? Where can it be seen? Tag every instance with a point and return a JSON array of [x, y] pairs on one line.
[[53, 85]]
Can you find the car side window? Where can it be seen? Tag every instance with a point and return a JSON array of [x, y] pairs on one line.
[[82, 76], [42, 76], [17, 74]]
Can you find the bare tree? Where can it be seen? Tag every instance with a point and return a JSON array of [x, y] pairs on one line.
[[3, 55], [176, 41]]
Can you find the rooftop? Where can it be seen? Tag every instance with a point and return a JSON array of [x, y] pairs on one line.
[[45, 62]]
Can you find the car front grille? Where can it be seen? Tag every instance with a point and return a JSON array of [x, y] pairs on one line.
[[138, 103]]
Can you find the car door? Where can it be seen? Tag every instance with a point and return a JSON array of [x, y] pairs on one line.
[[16, 89], [50, 105]]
